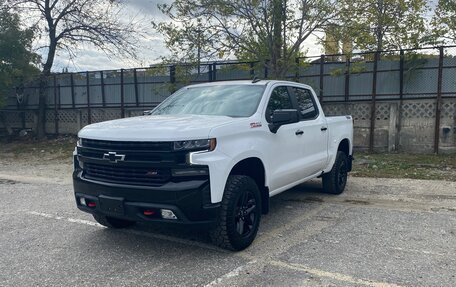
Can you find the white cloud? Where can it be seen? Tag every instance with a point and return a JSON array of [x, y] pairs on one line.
[[151, 47], [88, 57], [148, 7]]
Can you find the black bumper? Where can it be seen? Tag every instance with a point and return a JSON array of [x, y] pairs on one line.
[[189, 200]]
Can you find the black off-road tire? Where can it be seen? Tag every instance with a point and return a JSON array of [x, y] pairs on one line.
[[112, 222], [334, 181], [241, 206]]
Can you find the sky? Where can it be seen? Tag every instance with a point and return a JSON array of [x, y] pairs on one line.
[[151, 48], [89, 58]]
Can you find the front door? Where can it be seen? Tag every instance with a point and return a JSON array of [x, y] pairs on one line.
[[284, 147]]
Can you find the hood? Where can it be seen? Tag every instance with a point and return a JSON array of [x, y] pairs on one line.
[[155, 128]]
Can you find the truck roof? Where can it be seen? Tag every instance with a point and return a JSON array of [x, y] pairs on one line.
[[247, 82]]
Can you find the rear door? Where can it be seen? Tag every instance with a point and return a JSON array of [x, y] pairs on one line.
[[314, 139]]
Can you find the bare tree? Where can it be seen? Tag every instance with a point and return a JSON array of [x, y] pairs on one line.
[[68, 24], [271, 30]]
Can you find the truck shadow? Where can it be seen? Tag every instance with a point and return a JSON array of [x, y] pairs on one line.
[[296, 201]]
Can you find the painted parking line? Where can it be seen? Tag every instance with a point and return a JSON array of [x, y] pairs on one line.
[[132, 231], [332, 275], [236, 271], [73, 220], [425, 252], [260, 263], [233, 273]]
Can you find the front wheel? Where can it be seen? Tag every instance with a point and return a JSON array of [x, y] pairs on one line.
[[240, 214], [334, 181], [112, 222]]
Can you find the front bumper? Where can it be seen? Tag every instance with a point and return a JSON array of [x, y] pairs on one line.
[[188, 200]]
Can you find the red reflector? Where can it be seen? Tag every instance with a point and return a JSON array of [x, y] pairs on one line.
[[148, 212], [91, 204]]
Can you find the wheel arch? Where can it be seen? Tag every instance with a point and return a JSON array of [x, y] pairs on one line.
[[254, 168], [344, 146]]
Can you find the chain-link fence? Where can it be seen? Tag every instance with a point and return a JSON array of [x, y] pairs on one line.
[[419, 84]]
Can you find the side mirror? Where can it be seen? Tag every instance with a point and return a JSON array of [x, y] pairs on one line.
[[283, 117]]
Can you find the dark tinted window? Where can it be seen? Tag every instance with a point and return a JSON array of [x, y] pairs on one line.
[[279, 100], [306, 104]]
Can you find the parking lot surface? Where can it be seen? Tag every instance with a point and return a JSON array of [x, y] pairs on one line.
[[380, 232]]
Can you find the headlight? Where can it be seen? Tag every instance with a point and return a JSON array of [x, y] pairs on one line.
[[206, 144], [79, 142]]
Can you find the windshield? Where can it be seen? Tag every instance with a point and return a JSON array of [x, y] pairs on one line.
[[220, 100]]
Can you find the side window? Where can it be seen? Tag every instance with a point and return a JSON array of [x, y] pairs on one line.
[[279, 100], [306, 104]]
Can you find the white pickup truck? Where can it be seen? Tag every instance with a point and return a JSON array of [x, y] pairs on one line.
[[211, 154]]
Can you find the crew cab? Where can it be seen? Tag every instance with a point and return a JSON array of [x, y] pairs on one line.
[[211, 154]]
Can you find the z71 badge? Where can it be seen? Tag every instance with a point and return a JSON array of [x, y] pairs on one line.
[[255, 125]]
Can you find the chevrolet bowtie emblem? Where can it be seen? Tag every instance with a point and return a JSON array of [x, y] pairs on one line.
[[112, 156]]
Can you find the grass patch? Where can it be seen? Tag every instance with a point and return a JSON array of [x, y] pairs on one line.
[[60, 148], [399, 165], [378, 165]]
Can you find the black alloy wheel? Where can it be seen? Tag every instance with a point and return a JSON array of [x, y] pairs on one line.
[[334, 181], [246, 213], [240, 214], [343, 173]]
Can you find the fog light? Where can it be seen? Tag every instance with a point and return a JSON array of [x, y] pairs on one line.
[[82, 200], [148, 212], [167, 214]]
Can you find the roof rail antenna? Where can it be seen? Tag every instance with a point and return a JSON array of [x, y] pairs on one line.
[[255, 79]]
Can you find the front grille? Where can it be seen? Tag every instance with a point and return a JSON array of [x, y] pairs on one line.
[[128, 145], [126, 175], [138, 156]]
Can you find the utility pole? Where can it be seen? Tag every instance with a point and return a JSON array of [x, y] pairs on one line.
[[284, 20], [380, 27], [198, 45]]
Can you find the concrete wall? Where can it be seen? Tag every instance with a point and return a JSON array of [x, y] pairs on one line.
[[409, 128]]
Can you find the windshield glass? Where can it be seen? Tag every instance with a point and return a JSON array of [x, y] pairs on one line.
[[223, 100]]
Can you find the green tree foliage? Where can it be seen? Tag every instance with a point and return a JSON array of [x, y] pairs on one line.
[[17, 62], [272, 30], [69, 24], [444, 21], [382, 24]]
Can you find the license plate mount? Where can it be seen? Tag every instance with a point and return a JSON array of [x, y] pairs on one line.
[[112, 205]]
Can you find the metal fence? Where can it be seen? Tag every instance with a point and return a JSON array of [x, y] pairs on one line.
[[370, 77]]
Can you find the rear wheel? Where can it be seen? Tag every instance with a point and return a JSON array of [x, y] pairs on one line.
[[240, 214], [112, 222], [334, 181]]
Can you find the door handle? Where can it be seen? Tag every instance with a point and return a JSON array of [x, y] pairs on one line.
[[299, 132], [324, 129]]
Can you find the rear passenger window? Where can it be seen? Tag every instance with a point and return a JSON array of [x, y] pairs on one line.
[[306, 104], [279, 100]]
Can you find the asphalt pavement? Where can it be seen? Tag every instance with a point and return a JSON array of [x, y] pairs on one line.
[[380, 232]]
